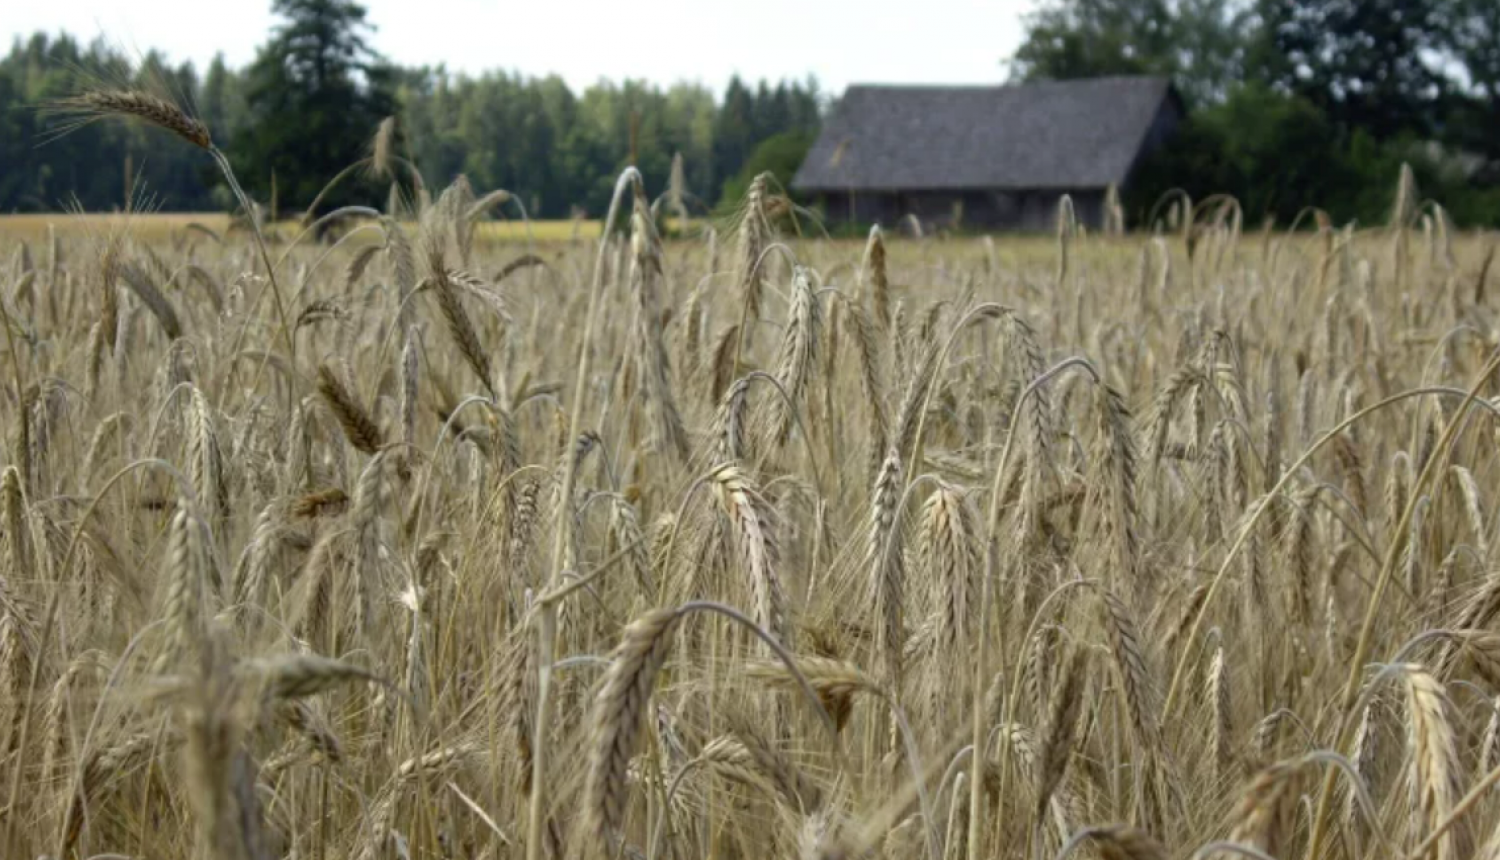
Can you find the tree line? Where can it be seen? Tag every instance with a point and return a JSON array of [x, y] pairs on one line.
[[1300, 102], [1291, 103], [310, 105]]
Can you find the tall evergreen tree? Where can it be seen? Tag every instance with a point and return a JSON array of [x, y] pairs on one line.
[[220, 102], [316, 93]]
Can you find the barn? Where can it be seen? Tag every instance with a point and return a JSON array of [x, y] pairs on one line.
[[985, 156]]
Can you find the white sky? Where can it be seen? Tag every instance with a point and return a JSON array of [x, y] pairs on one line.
[[841, 41]]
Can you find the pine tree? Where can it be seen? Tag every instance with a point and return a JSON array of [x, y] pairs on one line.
[[316, 93]]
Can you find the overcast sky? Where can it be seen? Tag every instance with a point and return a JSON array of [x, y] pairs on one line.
[[839, 41]]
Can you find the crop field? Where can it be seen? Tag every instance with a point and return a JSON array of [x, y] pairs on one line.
[[417, 543], [155, 227]]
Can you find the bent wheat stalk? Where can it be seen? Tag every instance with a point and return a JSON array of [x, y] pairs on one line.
[[619, 710]]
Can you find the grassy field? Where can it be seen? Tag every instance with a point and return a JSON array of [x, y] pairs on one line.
[[756, 545]]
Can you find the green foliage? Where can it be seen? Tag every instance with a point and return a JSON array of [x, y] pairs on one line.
[[780, 155], [1272, 152], [41, 170], [1088, 38], [1476, 44], [316, 94], [1275, 152], [554, 148], [1197, 42], [1368, 64], [558, 150], [1296, 101], [1291, 101]]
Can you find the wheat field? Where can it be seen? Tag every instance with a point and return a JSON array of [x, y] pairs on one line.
[[167, 227], [750, 545]]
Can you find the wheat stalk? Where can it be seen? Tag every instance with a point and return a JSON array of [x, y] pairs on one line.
[[798, 353], [297, 676], [1434, 755], [152, 109], [616, 722], [140, 283], [755, 537], [874, 269], [1062, 723], [887, 570]]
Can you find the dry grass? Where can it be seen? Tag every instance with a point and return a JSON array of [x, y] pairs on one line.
[[373, 583]]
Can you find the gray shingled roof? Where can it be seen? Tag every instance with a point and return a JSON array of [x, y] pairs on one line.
[[1052, 134]]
